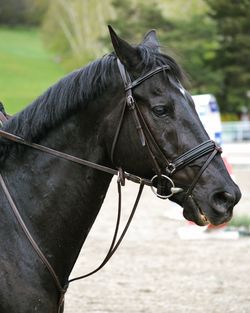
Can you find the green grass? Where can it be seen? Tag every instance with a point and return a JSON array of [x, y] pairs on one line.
[[240, 221], [26, 68]]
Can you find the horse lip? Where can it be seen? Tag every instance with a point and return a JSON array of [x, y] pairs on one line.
[[198, 216]]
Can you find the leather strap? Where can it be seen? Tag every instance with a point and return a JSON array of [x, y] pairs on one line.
[[148, 140], [116, 243], [145, 134], [197, 177], [113, 247], [192, 155], [142, 79], [118, 130], [129, 100], [71, 158], [29, 236]]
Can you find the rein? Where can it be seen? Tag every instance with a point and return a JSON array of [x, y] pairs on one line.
[[115, 242], [113, 247], [71, 158], [147, 140]]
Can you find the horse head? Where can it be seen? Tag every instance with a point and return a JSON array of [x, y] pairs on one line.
[[163, 137], [127, 111]]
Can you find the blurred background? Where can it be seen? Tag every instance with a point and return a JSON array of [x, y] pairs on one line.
[[43, 40]]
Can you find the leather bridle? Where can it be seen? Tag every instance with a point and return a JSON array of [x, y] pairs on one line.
[[162, 178], [163, 172]]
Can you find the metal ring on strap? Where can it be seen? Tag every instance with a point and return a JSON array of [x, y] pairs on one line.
[[172, 189]]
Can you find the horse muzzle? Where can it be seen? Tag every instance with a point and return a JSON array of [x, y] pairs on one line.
[[215, 209]]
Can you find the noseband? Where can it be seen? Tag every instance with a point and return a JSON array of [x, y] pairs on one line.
[[163, 173]]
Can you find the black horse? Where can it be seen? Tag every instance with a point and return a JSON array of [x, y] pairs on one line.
[[84, 115]]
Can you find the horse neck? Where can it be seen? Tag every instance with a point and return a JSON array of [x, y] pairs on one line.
[[60, 200]]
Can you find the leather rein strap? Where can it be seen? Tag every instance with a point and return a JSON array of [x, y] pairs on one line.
[[71, 158], [29, 236], [120, 181], [113, 247], [115, 242]]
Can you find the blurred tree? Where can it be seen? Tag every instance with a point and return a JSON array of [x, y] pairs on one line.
[[232, 18], [194, 42], [215, 58], [189, 40], [182, 10], [22, 12], [133, 18], [73, 28]]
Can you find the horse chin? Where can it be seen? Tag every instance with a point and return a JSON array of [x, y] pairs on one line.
[[194, 213]]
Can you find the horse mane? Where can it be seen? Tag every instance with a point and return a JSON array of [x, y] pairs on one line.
[[73, 92]]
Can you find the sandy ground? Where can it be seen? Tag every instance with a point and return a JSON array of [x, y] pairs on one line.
[[154, 270]]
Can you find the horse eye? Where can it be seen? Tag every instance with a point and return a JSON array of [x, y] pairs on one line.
[[160, 110]]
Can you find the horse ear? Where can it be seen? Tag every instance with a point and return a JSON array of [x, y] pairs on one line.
[[127, 54], [150, 40]]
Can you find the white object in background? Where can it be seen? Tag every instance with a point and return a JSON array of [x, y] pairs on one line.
[[194, 232], [209, 113]]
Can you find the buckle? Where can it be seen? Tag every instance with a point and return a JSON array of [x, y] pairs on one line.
[[170, 169], [130, 102]]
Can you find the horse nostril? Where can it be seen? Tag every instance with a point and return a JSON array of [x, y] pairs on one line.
[[223, 201]]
